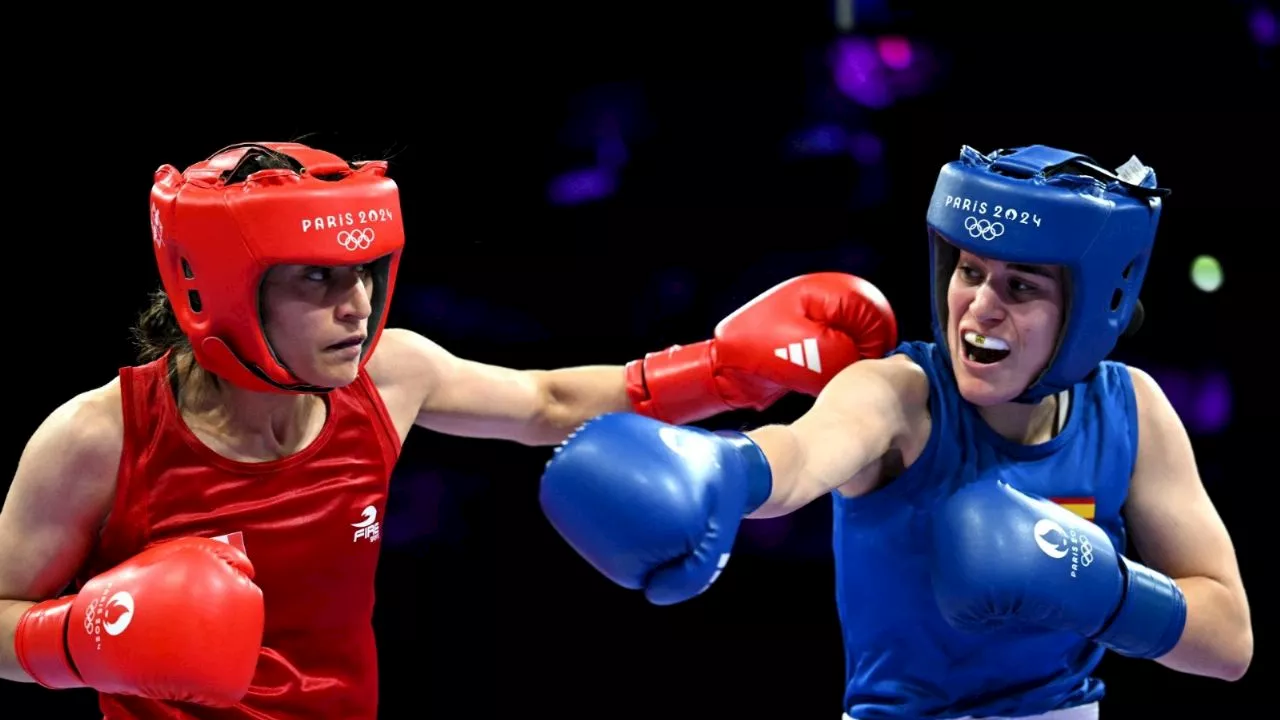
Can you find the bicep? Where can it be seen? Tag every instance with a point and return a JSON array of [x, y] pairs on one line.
[[474, 399], [468, 398], [859, 416], [59, 497], [430, 387], [1174, 524]]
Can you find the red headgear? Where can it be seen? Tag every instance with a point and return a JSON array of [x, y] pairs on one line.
[[219, 226]]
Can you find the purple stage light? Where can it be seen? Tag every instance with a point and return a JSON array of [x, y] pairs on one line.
[[1201, 399], [579, 186], [1213, 404], [895, 52], [858, 73], [1262, 25]]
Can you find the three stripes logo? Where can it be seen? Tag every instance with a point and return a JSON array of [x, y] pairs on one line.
[[803, 353]]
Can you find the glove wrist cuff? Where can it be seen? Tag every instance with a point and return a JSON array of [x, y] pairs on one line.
[[1151, 616], [676, 385], [755, 466], [40, 644]]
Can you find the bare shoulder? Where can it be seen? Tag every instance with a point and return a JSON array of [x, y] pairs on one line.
[[61, 494], [88, 428], [69, 466], [895, 383], [1160, 428], [885, 398], [406, 368], [906, 377], [1156, 415], [404, 356], [1145, 388]]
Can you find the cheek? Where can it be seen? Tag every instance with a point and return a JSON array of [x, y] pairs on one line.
[[1041, 329], [957, 300], [284, 323]]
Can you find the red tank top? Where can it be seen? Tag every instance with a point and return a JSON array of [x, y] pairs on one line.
[[309, 524]]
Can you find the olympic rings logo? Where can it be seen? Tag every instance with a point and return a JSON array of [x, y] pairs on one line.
[[91, 617], [983, 228], [358, 239], [1086, 552]]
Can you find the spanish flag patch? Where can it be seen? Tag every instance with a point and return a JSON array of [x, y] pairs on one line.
[[1085, 507]]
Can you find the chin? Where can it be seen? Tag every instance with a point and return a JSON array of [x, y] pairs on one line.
[[983, 393], [994, 389], [331, 377]]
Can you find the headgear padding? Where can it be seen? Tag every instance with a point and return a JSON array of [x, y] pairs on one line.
[[1044, 206], [222, 224]]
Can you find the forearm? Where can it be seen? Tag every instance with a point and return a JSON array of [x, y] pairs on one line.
[[10, 612], [574, 396], [1218, 638], [785, 454]]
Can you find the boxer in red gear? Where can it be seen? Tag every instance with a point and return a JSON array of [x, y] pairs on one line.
[[267, 413]]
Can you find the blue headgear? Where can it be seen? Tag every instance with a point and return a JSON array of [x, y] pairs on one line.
[[1044, 206]]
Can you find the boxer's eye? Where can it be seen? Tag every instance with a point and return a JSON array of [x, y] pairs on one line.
[[969, 274], [1019, 287]]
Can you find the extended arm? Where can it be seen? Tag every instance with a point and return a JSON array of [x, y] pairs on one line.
[[533, 407], [867, 410], [794, 337], [657, 506], [472, 399]]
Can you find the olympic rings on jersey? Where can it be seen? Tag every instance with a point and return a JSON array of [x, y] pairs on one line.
[[357, 239]]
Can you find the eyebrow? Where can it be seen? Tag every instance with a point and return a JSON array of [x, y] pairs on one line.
[[1032, 270]]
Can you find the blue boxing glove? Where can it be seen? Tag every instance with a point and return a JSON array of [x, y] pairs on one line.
[[1004, 559], [653, 506]]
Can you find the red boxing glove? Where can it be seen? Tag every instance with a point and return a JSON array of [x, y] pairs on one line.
[[181, 621], [794, 337]]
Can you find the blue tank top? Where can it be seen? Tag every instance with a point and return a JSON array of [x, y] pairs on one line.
[[902, 659]]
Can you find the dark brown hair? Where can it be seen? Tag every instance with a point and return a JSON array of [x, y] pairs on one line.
[[156, 330]]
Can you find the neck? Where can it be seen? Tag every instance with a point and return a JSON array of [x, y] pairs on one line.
[[256, 423], [1028, 424]]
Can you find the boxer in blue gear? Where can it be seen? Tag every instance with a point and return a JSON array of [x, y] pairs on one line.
[[984, 484]]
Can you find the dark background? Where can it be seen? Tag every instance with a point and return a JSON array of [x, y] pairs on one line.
[[584, 186]]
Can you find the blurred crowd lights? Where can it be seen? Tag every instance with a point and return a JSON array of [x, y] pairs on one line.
[[876, 72], [1263, 26], [1206, 273], [1202, 398], [870, 66]]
